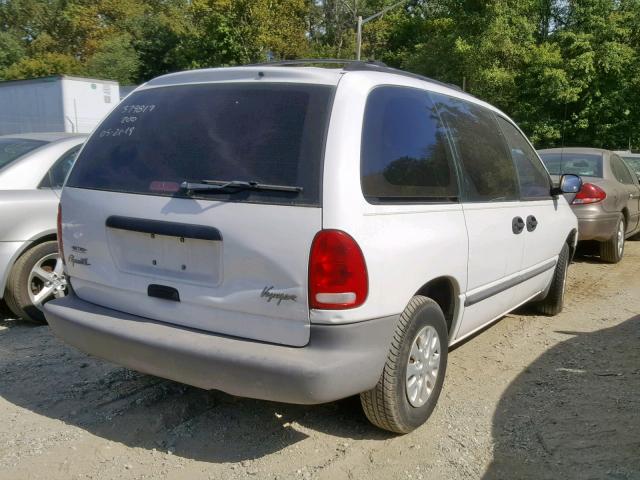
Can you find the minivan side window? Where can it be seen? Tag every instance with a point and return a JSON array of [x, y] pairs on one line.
[[405, 155], [535, 183], [488, 173]]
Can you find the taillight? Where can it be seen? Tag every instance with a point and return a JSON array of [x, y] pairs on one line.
[[589, 193], [337, 272], [59, 226]]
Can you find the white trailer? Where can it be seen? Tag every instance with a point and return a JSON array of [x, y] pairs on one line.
[[55, 104]]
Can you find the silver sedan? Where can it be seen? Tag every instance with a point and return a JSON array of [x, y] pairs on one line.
[[33, 168]]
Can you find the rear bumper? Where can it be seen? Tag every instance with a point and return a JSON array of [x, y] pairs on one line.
[[600, 228], [339, 361]]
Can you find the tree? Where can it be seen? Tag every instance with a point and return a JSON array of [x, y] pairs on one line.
[[568, 71], [115, 59]]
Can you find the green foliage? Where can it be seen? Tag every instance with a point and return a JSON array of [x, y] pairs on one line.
[[11, 50], [42, 65], [115, 59], [567, 71]]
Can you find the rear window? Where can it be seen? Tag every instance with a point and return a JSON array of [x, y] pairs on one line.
[[159, 138], [13, 148], [585, 164]]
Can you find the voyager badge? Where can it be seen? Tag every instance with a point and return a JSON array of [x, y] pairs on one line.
[[269, 294]]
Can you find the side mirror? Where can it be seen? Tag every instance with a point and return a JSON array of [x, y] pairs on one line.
[[568, 184]]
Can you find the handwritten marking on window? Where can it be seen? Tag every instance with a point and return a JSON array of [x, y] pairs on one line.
[[137, 109], [117, 132]]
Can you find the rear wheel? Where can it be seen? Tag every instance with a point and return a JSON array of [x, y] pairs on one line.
[[36, 277], [554, 301], [612, 250], [411, 381]]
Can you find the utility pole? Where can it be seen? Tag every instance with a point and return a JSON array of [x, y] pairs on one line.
[[362, 21], [359, 38]]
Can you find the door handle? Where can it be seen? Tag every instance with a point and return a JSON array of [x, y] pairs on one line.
[[517, 225], [532, 223]]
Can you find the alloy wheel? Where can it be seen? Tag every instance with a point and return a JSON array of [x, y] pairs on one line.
[[46, 280], [423, 366], [621, 232]]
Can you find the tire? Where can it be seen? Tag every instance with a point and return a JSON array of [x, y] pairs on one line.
[[554, 301], [24, 283], [612, 250], [388, 405]]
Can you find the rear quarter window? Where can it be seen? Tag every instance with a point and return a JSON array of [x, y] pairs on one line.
[[405, 152], [161, 137]]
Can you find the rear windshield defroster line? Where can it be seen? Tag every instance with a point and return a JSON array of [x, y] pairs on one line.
[[259, 132]]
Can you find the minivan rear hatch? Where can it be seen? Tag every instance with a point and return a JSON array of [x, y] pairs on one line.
[[197, 204]]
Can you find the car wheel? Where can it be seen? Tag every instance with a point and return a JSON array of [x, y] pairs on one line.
[[412, 378], [36, 277], [554, 301], [612, 250]]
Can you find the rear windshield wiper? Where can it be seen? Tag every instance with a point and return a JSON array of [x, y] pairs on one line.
[[213, 186]]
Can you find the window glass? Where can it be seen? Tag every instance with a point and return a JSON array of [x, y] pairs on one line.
[[488, 173], [532, 176], [13, 148], [58, 173], [620, 170], [160, 137], [405, 151], [633, 163], [584, 164]]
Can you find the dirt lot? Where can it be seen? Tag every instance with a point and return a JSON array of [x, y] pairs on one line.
[[532, 397]]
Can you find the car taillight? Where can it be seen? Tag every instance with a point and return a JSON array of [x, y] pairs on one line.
[[337, 272], [589, 193], [59, 226]]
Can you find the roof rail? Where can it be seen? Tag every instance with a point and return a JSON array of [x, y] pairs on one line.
[[381, 67], [315, 61], [354, 66]]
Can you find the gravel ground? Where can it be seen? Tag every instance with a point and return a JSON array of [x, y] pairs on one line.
[[531, 397]]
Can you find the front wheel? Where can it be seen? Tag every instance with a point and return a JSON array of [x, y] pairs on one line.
[[36, 277], [412, 378], [554, 301]]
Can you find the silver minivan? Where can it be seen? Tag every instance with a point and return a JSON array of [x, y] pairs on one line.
[[304, 234]]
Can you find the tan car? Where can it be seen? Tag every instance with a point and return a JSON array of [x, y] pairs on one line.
[[608, 205]]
